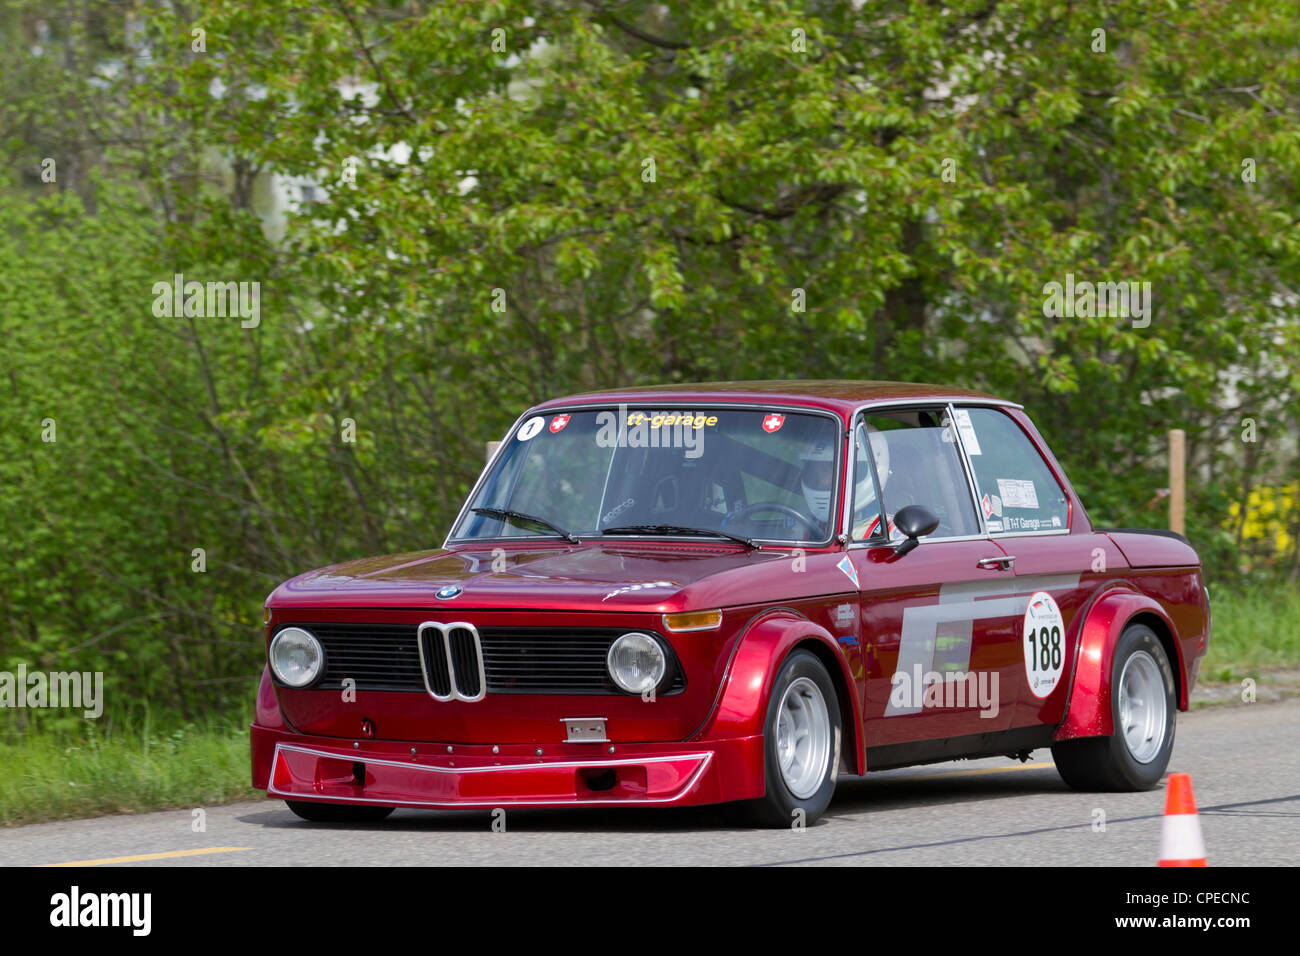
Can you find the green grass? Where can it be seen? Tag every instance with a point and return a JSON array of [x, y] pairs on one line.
[[1252, 631], [58, 776]]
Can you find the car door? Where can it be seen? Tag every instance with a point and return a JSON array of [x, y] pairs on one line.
[[1059, 561], [939, 624]]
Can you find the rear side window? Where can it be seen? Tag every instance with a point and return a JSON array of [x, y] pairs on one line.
[[1016, 490]]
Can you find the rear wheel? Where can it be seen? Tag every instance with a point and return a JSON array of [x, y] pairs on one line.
[[1143, 710], [801, 744], [338, 812]]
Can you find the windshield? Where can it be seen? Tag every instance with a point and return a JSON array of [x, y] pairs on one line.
[[754, 473]]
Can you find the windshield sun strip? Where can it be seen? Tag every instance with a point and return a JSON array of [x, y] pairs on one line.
[[840, 434]]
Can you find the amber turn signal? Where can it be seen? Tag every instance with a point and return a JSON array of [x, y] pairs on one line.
[[693, 621]]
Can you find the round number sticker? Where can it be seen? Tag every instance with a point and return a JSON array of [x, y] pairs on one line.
[[1044, 644], [531, 428]]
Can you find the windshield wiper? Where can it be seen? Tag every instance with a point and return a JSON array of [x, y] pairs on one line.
[[679, 529], [518, 516]]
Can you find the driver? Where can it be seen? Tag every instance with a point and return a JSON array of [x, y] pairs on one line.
[[817, 478]]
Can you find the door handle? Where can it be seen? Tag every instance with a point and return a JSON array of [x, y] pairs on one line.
[[1004, 561]]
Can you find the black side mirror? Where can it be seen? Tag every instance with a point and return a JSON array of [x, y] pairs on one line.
[[914, 521]]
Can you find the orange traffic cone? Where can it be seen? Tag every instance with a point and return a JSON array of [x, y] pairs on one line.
[[1180, 833]]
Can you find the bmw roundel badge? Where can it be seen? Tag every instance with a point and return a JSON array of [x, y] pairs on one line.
[[448, 592]]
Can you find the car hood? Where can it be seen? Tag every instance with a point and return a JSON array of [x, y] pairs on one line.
[[658, 577]]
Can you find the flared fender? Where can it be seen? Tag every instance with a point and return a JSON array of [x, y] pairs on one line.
[[753, 666], [1088, 713], [266, 714]]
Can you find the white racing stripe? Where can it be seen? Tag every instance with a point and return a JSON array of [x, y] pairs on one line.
[[960, 605]]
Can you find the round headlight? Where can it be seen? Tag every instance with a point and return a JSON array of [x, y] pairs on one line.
[[296, 657], [636, 662]]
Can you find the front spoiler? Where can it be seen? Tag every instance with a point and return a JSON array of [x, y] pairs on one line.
[[442, 776]]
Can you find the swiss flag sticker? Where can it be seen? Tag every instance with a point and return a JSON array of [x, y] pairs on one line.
[[558, 423], [773, 423]]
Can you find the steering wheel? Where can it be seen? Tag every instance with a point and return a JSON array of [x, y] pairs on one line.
[[740, 514]]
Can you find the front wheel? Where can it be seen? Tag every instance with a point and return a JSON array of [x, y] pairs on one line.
[[338, 812], [801, 744], [1143, 711]]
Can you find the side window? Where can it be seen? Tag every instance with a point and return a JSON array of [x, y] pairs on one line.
[[1016, 489], [917, 463]]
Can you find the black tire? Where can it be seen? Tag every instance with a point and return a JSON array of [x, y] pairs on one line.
[[1108, 763], [779, 806], [338, 812]]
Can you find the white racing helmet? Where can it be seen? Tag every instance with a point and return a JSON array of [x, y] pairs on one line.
[[817, 479]]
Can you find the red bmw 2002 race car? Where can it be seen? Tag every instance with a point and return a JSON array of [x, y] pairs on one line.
[[734, 592]]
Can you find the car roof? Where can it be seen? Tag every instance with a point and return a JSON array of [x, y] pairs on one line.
[[840, 395]]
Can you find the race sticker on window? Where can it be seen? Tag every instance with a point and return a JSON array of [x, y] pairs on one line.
[[1044, 644], [1017, 493], [968, 439], [531, 428]]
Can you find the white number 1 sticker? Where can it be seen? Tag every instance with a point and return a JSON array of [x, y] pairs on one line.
[[531, 428]]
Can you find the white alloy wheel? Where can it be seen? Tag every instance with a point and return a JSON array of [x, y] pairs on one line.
[[803, 737], [1142, 707]]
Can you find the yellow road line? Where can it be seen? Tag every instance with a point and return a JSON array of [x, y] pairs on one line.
[[982, 770], [152, 856]]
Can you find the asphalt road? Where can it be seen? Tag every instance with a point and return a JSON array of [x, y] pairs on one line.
[[1243, 762]]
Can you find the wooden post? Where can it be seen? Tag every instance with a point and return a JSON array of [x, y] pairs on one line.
[[1177, 480], [491, 449]]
